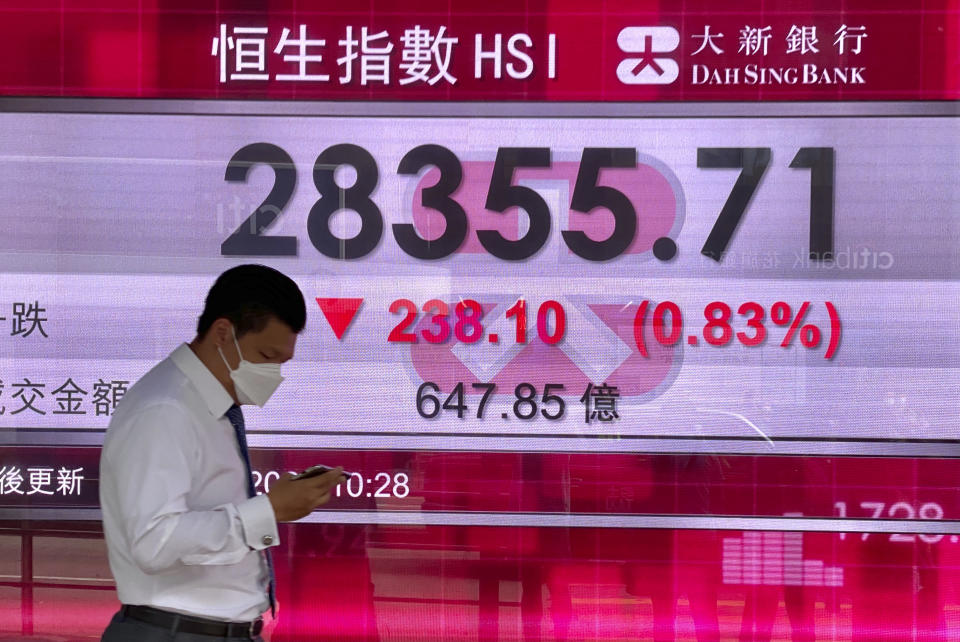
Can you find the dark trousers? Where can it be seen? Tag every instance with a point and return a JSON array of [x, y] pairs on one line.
[[130, 630]]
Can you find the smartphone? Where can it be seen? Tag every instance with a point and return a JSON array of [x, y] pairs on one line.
[[319, 469]]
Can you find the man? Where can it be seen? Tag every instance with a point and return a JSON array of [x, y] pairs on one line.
[[187, 536]]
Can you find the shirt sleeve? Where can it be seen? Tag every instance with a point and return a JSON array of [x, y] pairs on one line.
[[147, 473], [259, 522]]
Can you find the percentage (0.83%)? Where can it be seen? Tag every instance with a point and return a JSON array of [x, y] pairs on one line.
[[718, 330]]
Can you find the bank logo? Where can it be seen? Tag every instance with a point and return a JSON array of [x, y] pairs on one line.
[[648, 69]]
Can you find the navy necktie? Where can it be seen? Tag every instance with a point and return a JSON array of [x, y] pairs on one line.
[[235, 415]]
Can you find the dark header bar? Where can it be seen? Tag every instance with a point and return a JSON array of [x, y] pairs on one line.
[[492, 51]]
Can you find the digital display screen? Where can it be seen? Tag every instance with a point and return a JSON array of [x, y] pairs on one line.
[[631, 323]]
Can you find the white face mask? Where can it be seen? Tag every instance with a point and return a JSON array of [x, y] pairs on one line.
[[255, 382]]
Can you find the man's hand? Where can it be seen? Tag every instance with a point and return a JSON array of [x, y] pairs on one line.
[[292, 499]]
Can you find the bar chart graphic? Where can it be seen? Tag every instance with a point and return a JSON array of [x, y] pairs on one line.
[[774, 559]]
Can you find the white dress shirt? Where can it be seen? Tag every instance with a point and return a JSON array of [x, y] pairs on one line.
[[181, 533]]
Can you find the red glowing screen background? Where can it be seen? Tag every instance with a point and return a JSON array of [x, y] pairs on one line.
[[635, 321]]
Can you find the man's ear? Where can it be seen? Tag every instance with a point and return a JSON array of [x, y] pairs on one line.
[[220, 331]]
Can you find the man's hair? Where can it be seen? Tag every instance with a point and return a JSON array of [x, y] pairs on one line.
[[249, 296]]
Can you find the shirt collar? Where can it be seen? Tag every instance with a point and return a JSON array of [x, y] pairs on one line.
[[212, 392]]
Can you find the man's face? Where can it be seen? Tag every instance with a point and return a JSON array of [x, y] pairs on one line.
[[274, 344]]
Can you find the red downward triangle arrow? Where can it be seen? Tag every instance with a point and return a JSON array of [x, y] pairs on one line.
[[339, 313]]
